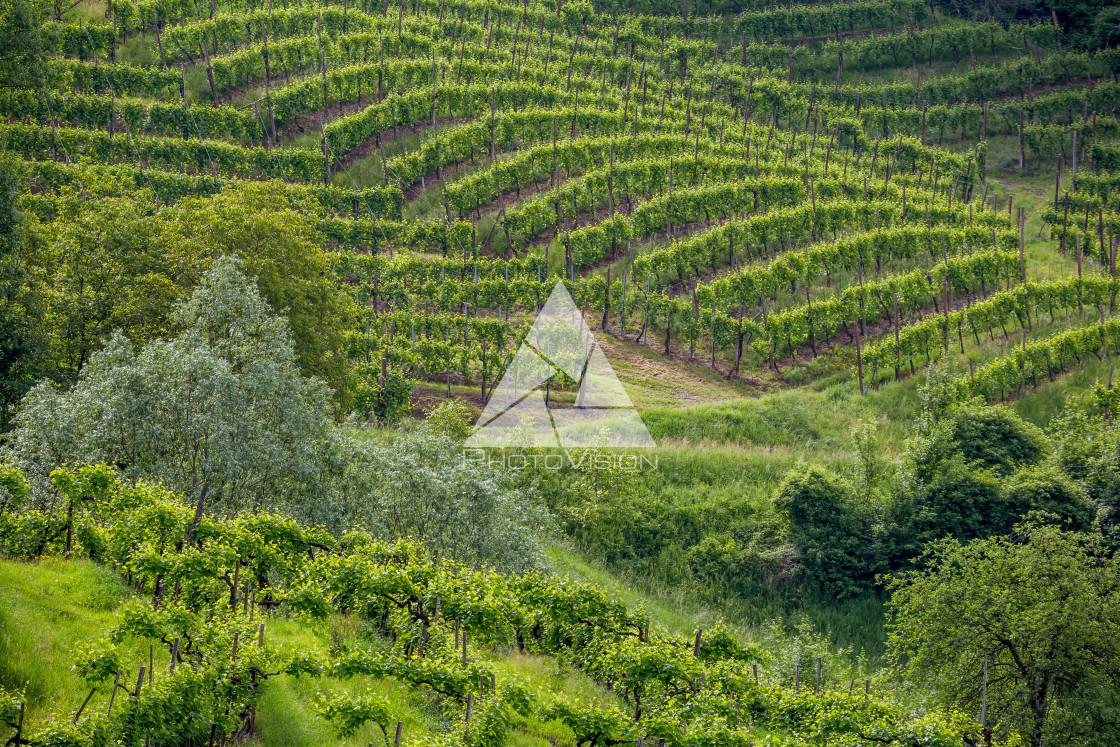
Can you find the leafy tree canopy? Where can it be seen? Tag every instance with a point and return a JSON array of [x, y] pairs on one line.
[[219, 410], [116, 264], [1041, 607]]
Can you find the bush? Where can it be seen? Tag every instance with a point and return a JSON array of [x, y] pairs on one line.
[[388, 402], [418, 485], [996, 438], [962, 502], [833, 537], [1046, 489], [725, 564]]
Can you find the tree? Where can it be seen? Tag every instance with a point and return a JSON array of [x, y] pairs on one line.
[[110, 263], [219, 412], [833, 536], [280, 246], [984, 437], [960, 501], [1041, 607], [1087, 448], [20, 341], [418, 485], [104, 268], [1106, 28]]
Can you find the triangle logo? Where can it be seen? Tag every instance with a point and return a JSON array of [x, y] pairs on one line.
[[519, 414]]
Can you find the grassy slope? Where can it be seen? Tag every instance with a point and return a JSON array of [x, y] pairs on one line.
[[44, 609]]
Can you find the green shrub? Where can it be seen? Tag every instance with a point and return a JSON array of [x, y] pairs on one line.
[[1046, 489], [962, 502], [996, 437], [833, 537]]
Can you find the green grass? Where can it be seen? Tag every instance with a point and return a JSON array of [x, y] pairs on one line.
[[851, 623], [45, 608]]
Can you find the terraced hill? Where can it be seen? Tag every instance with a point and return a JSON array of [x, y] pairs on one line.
[[749, 202], [744, 191]]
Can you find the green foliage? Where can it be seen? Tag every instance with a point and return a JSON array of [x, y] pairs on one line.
[[996, 438], [190, 606], [1106, 27], [992, 438], [280, 248], [349, 712], [1042, 609], [20, 335], [419, 484], [227, 388], [872, 469], [25, 40], [591, 725], [387, 401], [832, 534], [962, 502], [452, 419], [11, 705], [723, 562], [1048, 490], [1086, 447], [113, 264], [13, 488]]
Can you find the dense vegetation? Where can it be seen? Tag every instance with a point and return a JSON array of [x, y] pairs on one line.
[[263, 263]]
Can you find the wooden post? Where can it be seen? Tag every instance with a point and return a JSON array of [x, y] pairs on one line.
[[470, 700], [397, 740], [1065, 226], [82, 707], [897, 345], [696, 644], [766, 326], [607, 300], [210, 76], [859, 359], [139, 681], [159, 42], [1022, 251], [817, 690], [1057, 182], [945, 309], [1080, 308], [268, 83], [1074, 173], [113, 695], [1112, 268]]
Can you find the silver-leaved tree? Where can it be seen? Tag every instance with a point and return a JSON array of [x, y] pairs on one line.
[[219, 413], [222, 414]]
